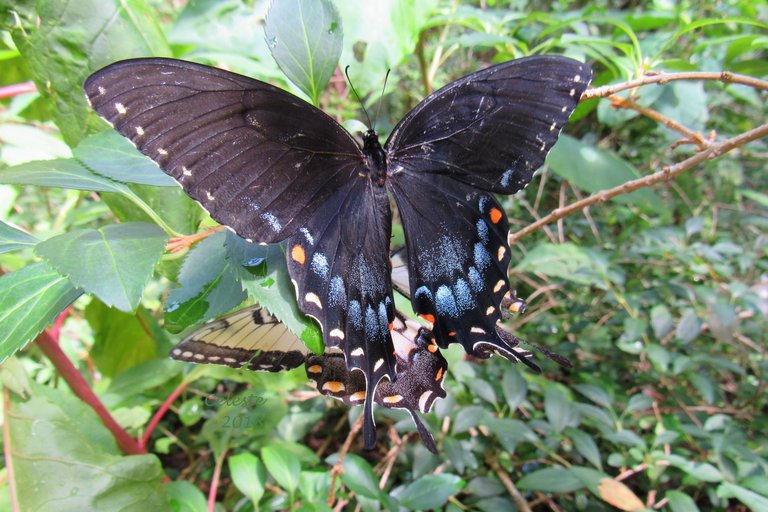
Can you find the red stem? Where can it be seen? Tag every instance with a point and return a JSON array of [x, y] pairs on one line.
[[14, 90], [80, 387], [160, 413], [215, 481]]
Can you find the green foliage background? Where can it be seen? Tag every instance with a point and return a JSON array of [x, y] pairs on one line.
[[659, 297]]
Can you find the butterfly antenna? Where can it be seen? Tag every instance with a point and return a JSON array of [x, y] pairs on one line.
[[349, 81], [381, 98]]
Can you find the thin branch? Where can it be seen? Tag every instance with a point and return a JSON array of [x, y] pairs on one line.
[[667, 173], [10, 91], [215, 481], [518, 498], [338, 467], [160, 413], [660, 77], [688, 134]]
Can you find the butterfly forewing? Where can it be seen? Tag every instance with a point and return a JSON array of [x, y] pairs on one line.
[[257, 158], [491, 129]]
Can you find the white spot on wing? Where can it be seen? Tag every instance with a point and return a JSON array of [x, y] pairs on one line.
[[139, 131], [320, 265], [185, 171], [337, 333], [273, 222], [102, 91], [312, 298], [162, 152], [210, 196], [499, 286], [423, 399], [357, 352], [378, 365], [120, 108]]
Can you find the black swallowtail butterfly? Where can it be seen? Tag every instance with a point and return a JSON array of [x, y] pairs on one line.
[[272, 167]]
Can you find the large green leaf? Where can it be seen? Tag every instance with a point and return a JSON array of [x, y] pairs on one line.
[[62, 42], [305, 39], [12, 238], [65, 459], [379, 36], [248, 474], [30, 299], [208, 286], [62, 172], [594, 169], [264, 274], [114, 262], [283, 466], [112, 155], [122, 340], [431, 491], [222, 32]]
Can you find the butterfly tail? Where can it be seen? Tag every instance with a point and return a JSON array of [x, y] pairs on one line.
[[369, 425], [426, 436]]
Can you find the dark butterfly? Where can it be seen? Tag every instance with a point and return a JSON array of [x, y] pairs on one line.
[[272, 168], [252, 339]]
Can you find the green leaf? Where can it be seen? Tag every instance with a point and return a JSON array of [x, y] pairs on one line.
[[558, 407], [112, 155], [62, 173], [31, 299], [586, 446], [264, 275], [120, 340], [594, 169], [699, 470], [62, 42], [689, 326], [114, 262], [681, 502], [248, 474], [283, 466], [431, 491], [514, 387], [125, 386], [186, 497], [359, 477], [567, 261], [208, 286], [13, 238], [552, 479], [242, 418], [594, 393], [62, 453], [749, 498], [305, 39]]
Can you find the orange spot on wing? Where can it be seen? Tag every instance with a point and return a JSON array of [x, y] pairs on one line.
[[432, 347], [315, 368], [452, 333], [495, 215], [439, 374], [333, 386], [297, 254], [391, 325], [428, 318]]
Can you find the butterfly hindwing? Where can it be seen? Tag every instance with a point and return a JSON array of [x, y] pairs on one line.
[[249, 338], [257, 158], [339, 263]]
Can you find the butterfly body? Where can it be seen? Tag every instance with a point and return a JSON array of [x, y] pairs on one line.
[[272, 167]]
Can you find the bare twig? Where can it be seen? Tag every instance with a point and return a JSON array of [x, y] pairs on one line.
[[338, 467], [659, 77], [522, 505], [667, 173]]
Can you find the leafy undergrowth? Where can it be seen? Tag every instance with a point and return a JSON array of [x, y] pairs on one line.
[[658, 296]]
